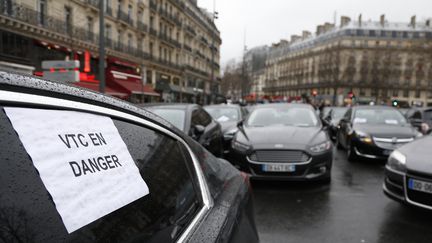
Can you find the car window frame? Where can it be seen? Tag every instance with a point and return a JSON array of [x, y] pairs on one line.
[[20, 99]]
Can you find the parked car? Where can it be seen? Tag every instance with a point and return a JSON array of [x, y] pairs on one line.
[[408, 174], [283, 142], [228, 116], [373, 132], [78, 166], [420, 118], [332, 120], [193, 120]]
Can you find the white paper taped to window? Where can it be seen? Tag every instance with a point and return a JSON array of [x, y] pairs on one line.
[[82, 161]]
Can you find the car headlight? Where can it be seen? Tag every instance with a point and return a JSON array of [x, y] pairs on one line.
[[321, 147], [397, 161], [364, 137], [242, 147], [230, 133]]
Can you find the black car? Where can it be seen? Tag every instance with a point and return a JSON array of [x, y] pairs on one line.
[[228, 116], [332, 119], [421, 118], [408, 174], [283, 142], [193, 120], [373, 132], [78, 166]]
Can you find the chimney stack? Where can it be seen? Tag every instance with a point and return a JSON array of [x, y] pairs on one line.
[[295, 38], [413, 22], [360, 20], [344, 21], [319, 30], [328, 26], [306, 34], [382, 20]]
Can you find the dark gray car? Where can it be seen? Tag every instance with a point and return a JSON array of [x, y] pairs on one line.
[[408, 174], [192, 196]]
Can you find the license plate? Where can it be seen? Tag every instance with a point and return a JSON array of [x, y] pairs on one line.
[[421, 186], [278, 168]]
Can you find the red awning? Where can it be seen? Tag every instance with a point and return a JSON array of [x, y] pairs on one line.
[[95, 87], [137, 87]]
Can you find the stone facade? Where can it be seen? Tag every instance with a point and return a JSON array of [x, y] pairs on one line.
[[375, 61], [173, 40]]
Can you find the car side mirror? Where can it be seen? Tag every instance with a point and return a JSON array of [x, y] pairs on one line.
[[240, 123]]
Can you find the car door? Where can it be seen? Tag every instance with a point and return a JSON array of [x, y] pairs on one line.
[[211, 138], [29, 208]]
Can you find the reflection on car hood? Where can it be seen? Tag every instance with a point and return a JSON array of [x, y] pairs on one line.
[[288, 136], [418, 155], [226, 126], [386, 131]]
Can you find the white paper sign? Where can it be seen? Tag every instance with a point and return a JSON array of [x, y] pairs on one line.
[[82, 161]]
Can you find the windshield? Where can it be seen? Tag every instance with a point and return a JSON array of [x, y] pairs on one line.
[[428, 116], [379, 116], [223, 114], [289, 116], [174, 116]]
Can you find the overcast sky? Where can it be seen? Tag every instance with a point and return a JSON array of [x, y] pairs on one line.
[[268, 21]]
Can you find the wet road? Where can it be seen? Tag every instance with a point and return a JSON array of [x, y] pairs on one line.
[[352, 208]]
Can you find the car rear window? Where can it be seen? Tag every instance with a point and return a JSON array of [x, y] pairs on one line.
[[28, 213]]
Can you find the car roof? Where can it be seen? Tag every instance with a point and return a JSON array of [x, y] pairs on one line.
[[222, 105], [177, 106], [35, 85], [373, 107], [283, 104]]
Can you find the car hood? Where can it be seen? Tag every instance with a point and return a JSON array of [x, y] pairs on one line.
[[386, 131], [283, 136], [418, 154]]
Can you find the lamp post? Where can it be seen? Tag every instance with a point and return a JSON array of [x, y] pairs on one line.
[[101, 47], [215, 16]]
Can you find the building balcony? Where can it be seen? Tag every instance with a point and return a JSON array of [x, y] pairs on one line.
[[186, 47], [153, 5], [93, 3], [153, 31], [142, 27], [190, 30], [124, 17]]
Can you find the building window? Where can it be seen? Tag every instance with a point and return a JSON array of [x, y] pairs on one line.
[[129, 12], [405, 93], [395, 93], [107, 7], [151, 49], [68, 20], [119, 38], [417, 93], [151, 22], [42, 7], [89, 28], [129, 41]]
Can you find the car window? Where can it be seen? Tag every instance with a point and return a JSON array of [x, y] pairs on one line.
[[417, 115], [174, 116], [347, 115], [28, 213], [223, 113], [379, 116], [283, 115], [428, 115]]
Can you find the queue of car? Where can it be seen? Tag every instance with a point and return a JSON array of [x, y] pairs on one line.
[[81, 166]]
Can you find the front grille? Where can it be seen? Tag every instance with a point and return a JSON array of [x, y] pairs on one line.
[[279, 156], [418, 196]]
